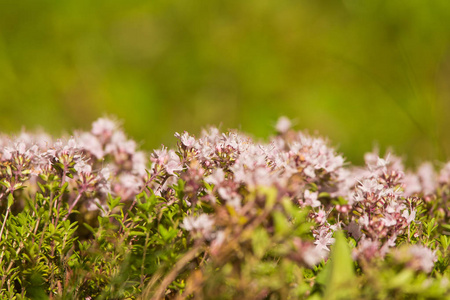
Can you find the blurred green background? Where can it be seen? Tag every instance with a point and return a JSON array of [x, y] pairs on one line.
[[357, 71]]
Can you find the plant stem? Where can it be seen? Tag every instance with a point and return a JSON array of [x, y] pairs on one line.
[[159, 294]]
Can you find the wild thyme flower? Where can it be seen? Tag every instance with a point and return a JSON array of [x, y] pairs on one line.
[[311, 199], [423, 258], [283, 125], [104, 128], [427, 178], [266, 208], [324, 237], [380, 209], [202, 224], [91, 144], [444, 174], [186, 140], [417, 257]]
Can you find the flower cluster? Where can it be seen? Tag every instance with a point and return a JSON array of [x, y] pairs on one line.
[[233, 199], [380, 211], [94, 164], [224, 168]]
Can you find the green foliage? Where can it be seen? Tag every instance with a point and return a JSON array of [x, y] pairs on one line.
[[145, 252], [339, 271], [37, 248]]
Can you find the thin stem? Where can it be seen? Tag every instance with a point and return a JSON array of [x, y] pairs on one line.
[[6, 235], [159, 294], [73, 205], [143, 259], [4, 222]]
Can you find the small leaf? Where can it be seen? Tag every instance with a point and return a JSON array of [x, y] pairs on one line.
[[260, 242], [444, 242], [163, 232], [340, 282], [10, 200], [5, 183], [401, 279], [89, 227], [281, 223], [137, 233], [64, 187]]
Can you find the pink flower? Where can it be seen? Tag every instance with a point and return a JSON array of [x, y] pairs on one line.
[[409, 216], [283, 124], [173, 163], [427, 178], [217, 176], [103, 127], [367, 249], [323, 241], [82, 166], [312, 256], [21, 148], [364, 220], [309, 171], [423, 258], [311, 199], [119, 141], [370, 186], [91, 143], [186, 140], [217, 242], [202, 223], [444, 174], [139, 163], [321, 216], [389, 220], [128, 186], [6, 154]]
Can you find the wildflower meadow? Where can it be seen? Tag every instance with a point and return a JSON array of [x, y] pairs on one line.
[[220, 216]]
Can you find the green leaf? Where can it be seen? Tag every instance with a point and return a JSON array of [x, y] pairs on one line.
[[340, 273], [281, 223], [5, 183], [431, 226], [260, 242], [10, 200], [445, 242], [36, 289], [137, 233], [163, 232], [401, 279], [89, 227], [64, 187], [324, 195]]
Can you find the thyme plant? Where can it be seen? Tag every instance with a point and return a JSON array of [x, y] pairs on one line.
[[220, 216]]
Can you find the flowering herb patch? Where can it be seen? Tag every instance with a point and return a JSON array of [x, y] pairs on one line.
[[218, 217]]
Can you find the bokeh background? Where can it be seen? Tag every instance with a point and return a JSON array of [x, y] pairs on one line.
[[362, 72]]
